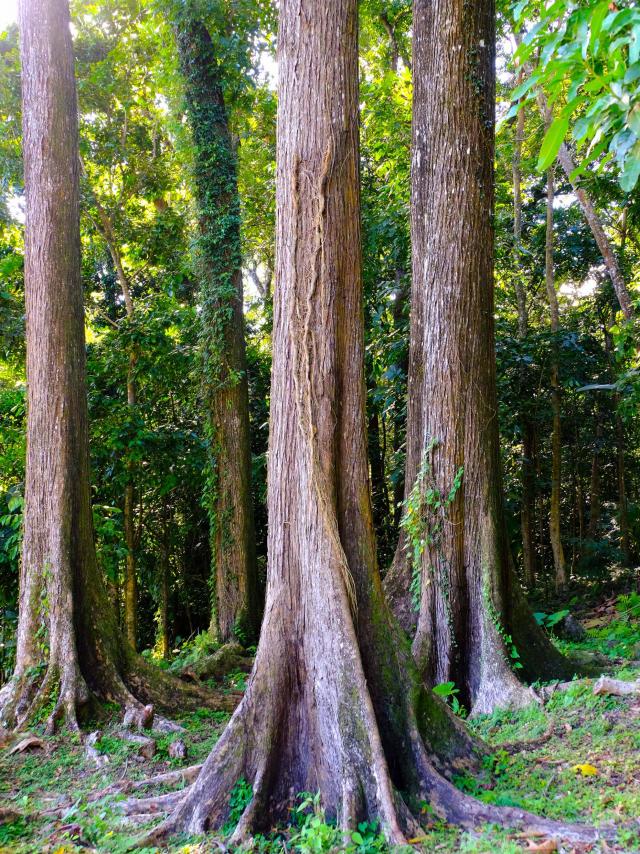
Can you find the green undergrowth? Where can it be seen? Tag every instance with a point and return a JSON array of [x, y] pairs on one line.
[[577, 758]]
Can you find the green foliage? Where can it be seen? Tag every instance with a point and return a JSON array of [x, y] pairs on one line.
[[424, 514], [239, 800], [448, 691], [586, 56]]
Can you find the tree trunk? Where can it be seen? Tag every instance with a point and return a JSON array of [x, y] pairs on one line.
[[623, 507], [556, 436], [330, 707], [234, 570], [473, 618], [164, 591], [595, 497], [604, 244], [527, 511], [68, 642], [105, 227]]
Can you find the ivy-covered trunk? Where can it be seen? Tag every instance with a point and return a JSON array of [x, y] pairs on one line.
[[68, 642], [234, 577], [474, 627]]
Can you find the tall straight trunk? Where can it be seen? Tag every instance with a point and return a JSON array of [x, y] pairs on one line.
[[105, 227], [68, 643], [164, 567], [333, 704], [555, 509], [595, 497], [527, 510], [623, 507], [593, 220], [470, 600], [234, 574]]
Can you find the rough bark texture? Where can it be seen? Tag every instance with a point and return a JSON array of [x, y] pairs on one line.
[[234, 569], [329, 707], [472, 611], [68, 644], [556, 435]]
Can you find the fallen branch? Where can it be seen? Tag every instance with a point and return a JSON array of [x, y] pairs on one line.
[[606, 685]]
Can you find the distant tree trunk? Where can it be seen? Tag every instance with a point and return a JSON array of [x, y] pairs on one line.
[[66, 624], [105, 228], [527, 511], [470, 600], [379, 492], [595, 498], [234, 571], [604, 244], [555, 510], [623, 508], [164, 567]]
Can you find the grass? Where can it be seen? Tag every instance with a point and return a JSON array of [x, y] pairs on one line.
[[584, 766]]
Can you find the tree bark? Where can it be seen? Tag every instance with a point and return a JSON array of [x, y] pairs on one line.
[[330, 707], [595, 498], [472, 613], [68, 643], [527, 510], [604, 244], [556, 435], [234, 570]]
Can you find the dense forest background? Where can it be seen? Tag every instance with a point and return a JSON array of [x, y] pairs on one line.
[[319, 435], [139, 233]]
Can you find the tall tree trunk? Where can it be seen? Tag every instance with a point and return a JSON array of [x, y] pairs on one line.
[[595, 497], [623, 508], [68, 643], [234, 571], [331, 703], [472, 611], [105, 227], [164, 568], [555, 509], [527, 510]]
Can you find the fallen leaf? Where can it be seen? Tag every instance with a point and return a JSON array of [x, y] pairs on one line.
[[586, 770], [31, 742]]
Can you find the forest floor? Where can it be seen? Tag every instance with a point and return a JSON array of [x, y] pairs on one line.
[[575, 758]]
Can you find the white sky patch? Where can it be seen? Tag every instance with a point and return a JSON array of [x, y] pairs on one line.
[[15, 206], [268, 68], [8, 13], [575, 291]]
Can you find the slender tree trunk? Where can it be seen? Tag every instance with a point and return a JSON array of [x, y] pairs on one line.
[[234, 571], [623, 508], [604, 244], [164, 590], [527, 511], [555, 509], [470, 602], [595, 497], [130, 576]]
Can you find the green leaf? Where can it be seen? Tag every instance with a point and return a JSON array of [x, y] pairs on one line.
[[552, 141]]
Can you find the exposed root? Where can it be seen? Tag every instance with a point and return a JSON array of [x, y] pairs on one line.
[[161, 803]]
